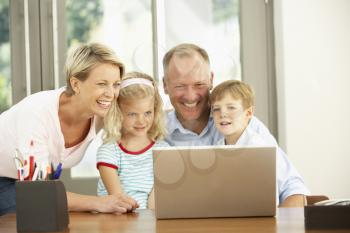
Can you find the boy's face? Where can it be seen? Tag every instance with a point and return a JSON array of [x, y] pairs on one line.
[[229, 115]]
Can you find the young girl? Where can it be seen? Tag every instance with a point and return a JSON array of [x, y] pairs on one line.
[[133, 126]]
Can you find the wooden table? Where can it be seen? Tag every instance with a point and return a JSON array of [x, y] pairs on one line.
[[287, 220]]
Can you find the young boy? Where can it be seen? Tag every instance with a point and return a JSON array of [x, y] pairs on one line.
[[232, 106]]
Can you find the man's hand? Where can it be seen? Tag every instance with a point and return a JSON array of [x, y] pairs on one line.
[[297, 200]]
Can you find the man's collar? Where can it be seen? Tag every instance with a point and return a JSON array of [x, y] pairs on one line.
[[173, 123]]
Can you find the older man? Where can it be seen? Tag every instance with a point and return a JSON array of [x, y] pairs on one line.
[[188, 80]]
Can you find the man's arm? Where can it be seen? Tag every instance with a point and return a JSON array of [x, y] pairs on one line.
[[291, 186], [103, 204], [297, 200]]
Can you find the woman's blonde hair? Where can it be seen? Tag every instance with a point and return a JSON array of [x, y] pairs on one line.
[[84, 58], [114, 118]]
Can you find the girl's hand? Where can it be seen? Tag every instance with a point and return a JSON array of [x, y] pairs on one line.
[[129, 200], [112, 204]]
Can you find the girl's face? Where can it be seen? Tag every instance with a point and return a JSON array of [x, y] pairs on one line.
[[138, 116], [100, 88], [229, 115]]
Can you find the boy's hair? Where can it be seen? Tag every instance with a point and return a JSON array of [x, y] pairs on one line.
[[84, 58], [237, 89], [113, 120], [184, 50]]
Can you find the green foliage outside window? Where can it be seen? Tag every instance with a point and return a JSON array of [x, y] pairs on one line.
[[4, 21], [5, 93], [5, 85], [82, 17], [224, 9]]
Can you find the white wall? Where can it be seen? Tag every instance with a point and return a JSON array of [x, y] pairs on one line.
[[313, 88]]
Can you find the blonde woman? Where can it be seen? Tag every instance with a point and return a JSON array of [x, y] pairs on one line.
[[131, 131], [58, 125]]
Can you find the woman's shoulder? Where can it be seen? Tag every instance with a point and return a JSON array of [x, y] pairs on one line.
[[38, 111], [45, 95], [42, 100]]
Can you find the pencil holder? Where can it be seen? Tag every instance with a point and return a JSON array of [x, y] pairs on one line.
[[41, 206]]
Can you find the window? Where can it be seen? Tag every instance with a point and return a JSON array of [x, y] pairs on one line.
[[125, 26], [5, 63], [211, 24], [37, 55]]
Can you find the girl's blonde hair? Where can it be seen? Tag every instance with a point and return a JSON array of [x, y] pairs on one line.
[[114, 118]]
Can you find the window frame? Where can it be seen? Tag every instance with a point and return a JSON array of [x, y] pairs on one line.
[[35, 64], [258, 59]]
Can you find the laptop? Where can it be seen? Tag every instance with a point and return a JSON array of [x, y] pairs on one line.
[[214, 181]]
